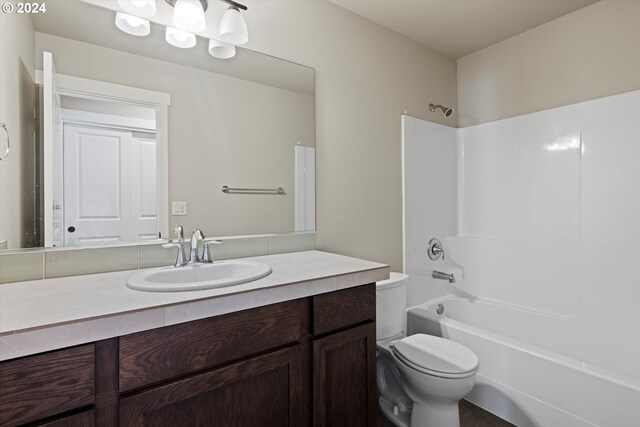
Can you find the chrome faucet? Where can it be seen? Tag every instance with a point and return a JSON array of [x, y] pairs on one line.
[[196, 237], [443, 276]]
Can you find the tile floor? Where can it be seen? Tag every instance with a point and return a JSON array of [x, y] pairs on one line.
[[470, 416]]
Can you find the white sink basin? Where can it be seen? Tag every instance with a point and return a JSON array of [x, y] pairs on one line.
[[202, 276]]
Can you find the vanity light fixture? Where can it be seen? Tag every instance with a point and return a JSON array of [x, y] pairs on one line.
[[233, 28], [188, 18], [180, 38], [141, 8], [221, 50], [132, 24]]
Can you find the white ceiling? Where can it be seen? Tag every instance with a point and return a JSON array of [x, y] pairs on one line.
[[460, 27]]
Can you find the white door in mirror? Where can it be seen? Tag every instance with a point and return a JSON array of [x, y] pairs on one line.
[[109, 186], [201, 276]]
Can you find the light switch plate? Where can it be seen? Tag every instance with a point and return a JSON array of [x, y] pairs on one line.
[[178, 208]]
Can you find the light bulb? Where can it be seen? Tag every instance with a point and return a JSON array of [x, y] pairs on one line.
[[142, 8], [132, 24], [221, 50], [180, 38], [189, 15], [233, 29]]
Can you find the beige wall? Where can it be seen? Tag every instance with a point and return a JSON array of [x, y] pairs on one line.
[[366, 76], [590, 53], [16, 46], [222, 131]]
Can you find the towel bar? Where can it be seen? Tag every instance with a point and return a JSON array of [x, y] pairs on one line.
[[228, 190]]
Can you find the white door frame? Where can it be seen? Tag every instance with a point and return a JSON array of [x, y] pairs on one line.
[[52, 152], [108, 120], [79, 87]]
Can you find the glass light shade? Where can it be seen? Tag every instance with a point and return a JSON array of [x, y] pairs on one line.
[[189, 15], [233, 29], [221, 50], [132, 24], [180, 38], [141, 8]]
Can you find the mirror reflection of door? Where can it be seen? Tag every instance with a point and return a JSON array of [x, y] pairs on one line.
[[100, 161], [109, 185], [108, 171]]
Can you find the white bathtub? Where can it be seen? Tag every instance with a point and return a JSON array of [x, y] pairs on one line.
[[527, 374]]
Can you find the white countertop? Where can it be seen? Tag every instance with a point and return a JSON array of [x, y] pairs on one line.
[[43, 315]]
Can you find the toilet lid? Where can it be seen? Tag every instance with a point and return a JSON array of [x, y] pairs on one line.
[[436, 354]]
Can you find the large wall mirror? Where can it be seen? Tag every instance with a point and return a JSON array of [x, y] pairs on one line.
[[116, 138]]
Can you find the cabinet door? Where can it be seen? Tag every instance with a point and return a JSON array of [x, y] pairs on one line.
[[344, 378], [262, 391]]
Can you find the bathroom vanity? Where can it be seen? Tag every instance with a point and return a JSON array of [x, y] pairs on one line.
[[302, 361]]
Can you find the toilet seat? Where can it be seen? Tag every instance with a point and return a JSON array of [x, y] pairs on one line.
[[435, 356]]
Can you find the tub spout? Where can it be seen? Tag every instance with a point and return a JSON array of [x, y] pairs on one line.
[[443, 276]]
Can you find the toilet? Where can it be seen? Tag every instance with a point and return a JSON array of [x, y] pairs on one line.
[[421, 378]]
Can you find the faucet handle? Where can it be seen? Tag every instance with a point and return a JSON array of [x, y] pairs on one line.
[[181, 259], [435, 250], [179, 232], [206, 253]]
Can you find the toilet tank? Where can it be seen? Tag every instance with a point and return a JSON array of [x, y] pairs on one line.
[[391, 302]]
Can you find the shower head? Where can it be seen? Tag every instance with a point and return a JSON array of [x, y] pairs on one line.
[[446, 110]]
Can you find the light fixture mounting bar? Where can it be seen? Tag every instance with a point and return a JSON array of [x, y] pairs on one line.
[[233, 3], [204, 4]]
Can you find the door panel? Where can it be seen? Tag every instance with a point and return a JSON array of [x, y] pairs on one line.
[[98, 174], [110, 185], [144, 188], [96, 189]]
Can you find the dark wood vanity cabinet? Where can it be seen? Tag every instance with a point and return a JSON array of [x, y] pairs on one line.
[[307, 362]]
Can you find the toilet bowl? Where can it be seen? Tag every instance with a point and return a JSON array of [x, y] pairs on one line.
[[421, 378]]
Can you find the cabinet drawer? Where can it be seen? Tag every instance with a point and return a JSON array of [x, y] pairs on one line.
[[152, 356], [40, 386], [255, 392], [341, 309]]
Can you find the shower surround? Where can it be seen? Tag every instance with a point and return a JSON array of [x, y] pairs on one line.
[[547, 209]]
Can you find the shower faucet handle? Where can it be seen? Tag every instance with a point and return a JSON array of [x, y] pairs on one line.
[[434, 249]]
